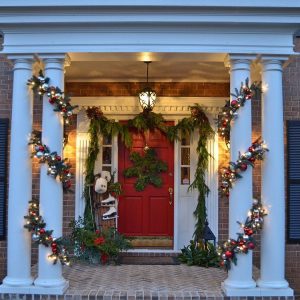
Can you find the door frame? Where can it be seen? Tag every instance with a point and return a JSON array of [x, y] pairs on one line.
[[173, 110]]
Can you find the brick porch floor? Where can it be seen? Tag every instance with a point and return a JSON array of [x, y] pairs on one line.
[[143, 281]]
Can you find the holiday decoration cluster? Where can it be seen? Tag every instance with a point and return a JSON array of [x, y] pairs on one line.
[[233, 172], [245, 240], [57, 167], [37, 226], [230, 110], [56, 97], [106, 186], [228, 250]]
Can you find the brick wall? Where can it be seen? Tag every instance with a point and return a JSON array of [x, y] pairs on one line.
[[292, 111], [291, 83], [163, 89]]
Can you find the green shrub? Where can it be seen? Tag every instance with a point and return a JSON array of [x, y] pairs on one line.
[[200, 254]]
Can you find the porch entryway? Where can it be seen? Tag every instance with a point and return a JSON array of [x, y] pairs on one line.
[[147, 216], [188, 31]]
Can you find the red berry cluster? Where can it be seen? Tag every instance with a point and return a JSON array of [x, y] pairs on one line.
[[229, 111], [245, 241], [233, 172], [36, 225]]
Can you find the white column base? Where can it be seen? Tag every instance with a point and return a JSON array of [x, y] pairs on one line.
[[282, 284], [257, 292], [288, 292], [35, 290], [239, 292], [17, 282], [235, 284], [50, 283]]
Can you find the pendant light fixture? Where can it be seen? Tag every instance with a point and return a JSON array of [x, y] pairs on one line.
[[147, 96]]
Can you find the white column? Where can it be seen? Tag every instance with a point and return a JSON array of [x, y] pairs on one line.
[[51, 193], [240, 277], [273, 192], [20, 178]]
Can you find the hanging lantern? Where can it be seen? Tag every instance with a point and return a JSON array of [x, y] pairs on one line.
[[147, 96]]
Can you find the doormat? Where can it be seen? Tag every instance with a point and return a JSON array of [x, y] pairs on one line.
[[149, 260]]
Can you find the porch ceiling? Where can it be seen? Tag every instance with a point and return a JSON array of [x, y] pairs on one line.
[[129, 67]]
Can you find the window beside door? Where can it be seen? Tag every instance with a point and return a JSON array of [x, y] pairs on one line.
[[185, 159]]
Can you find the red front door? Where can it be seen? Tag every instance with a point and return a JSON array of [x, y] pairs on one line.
[[151, 211]]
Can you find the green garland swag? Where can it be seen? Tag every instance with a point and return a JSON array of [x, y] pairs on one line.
[[149, 121], [36, 225]]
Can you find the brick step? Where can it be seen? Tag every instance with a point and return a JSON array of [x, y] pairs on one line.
[[149, 260]]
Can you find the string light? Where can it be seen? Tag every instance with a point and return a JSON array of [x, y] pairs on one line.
[[254, 222], [56, 97], [233, 172], [57, 167], [230, 110], [36, 225]]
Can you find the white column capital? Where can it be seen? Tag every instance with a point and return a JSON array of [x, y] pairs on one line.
[[273, 62], [21, 61], [239, 61], [55, 60]]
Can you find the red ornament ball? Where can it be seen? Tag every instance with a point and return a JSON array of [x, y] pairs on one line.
[[241, 242], [53, 245], [41, 148], [252, 159], [251, 245], [246, 91], [228, 254], [58, 158], [251, 149], [42, 230], [248, 231], [234, 103], [243, 167], [67, 184]]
